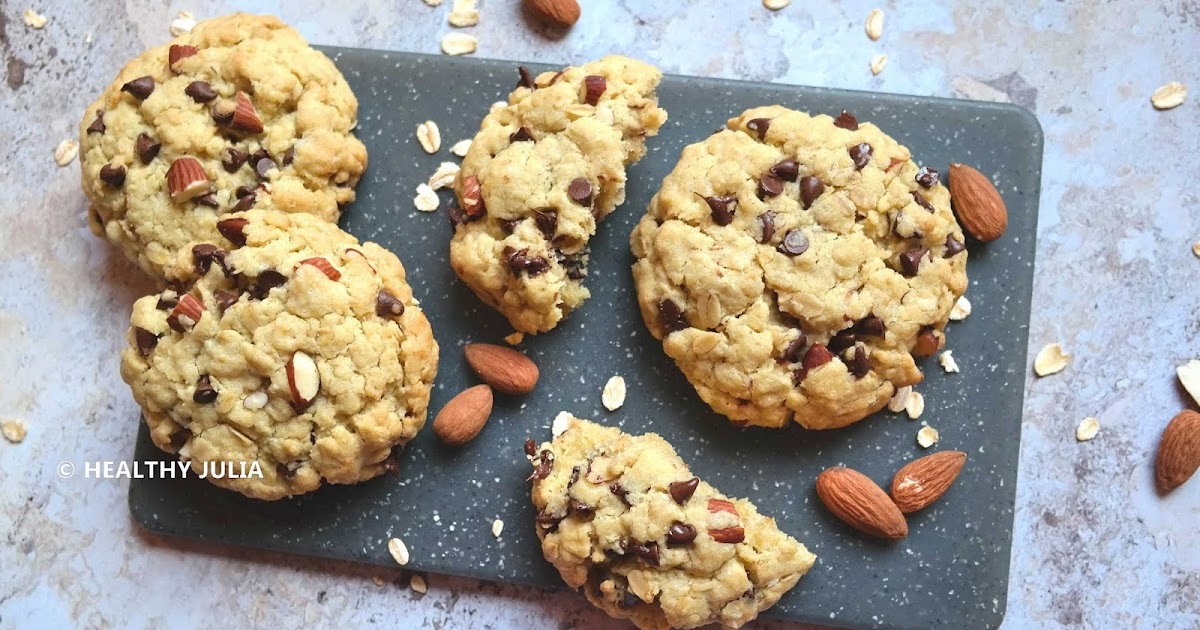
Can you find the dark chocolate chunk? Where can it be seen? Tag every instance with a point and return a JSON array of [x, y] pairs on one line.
[[387, 305], [146, 147], [113, 175], [681, 491], [146, 341], [519, 260], [670, 317], [204, 392], [766, 221], [722, 209], [910, 261], [927, 177], [546, 221], [795, 349], [846, 120], [289, 156], [140, 87], [574, 476], [759, 126], [205, 254], [97, 125], [870, 326], [621, 491], [647, 552], [680, 534], [542, 465], [842, 340], [233, 159], [859, 364], [520, 135], [525, 80], [245, 203], [530, 447], [810, 189], [954, 247], [200, 91], [233, 229], [582, 509], [226, 299], [769, 186], [794, 243], [861, 154], [267, 280], [922, 201]]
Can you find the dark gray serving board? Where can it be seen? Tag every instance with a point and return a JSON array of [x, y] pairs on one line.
[[951, 571]]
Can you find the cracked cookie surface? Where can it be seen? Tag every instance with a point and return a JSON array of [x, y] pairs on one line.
[[295, 347], [622, 518], [288, 146], [539, 176], [793, 265]]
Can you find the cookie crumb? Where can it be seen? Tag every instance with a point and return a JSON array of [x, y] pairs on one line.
[[927, 436], [948, 362], [497, 527], [874, 24], [418, 584], [65, 152], [1050, 360], [1196, 248], [1169, 96], [35, 20], [613, 395], [14, 431], [399, 551], [426, 200], [514, 339], [184, 22], [915, 405], [461, 147], [1087, 429], [429, 136], [1189, 377], [464, 14], [878, 63], [459, 44], [961, 309], [443, 176], [776, 5], [561, 423], [377, 580], [899, 401]]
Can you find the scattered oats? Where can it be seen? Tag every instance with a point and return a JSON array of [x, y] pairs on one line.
[[464, 14], [377, 580], [1196, 248], [927, 436], [433, 3], [948, 362], [561, 423], [497, 105], [1189, 377], [399, 551], [184, 22], [14, 430], [961, 309], [429, 136], [65, 152], [1050, 360], [461, 147], [915, 405], [514, 339], [878, 63], [426, 200], [418, 584], [497, 527], [776, 5], [875, 24], [443, 176], [899, 401], [33, 19], [256, 400], [1169, 96], [613, 395], [459, 44], [1087, 429]]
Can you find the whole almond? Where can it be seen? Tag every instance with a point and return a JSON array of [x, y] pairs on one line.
[[921, 482], [245, 117], [561, 13], [861, 503], [464, 416], [1178, 451], [978, 204], [186, 180], [505, 369]]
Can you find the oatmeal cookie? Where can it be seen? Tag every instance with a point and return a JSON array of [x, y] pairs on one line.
[[794, 265]]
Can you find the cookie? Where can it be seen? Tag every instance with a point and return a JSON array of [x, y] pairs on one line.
[[540, 174], [622, 518], [794, 267], [238, 114], [296, 348]]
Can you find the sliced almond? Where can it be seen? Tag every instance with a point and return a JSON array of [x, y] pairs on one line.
[[946, 359], [505, 369], [464, 416], [1050, 360], [245, 117], [961, 309], [613, 395], [874, 25], [1087, 429], [187, 180], [899, 401], [458, 44], [65, 152], [324, 266], [878, 63], [1189, 377], [444, 175], [304, 379], [399, 551], [177, 52], [927, 436], [915, 405], [429, 136], [471, 196], [461, 147], [186, 314], [1169, 96]]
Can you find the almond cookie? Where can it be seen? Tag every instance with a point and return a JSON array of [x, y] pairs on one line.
[[295, 347], [539, 176], [793, 266], [238, 114], [622, 518]]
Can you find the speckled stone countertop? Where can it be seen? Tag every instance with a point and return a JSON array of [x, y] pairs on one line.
[[1093, 545]]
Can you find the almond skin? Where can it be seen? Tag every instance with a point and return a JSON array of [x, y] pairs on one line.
[[186, 180], [860, 503], [505, 369], [921, 482], [464, 416], [1178, 452], [561, 13], [978, 204]]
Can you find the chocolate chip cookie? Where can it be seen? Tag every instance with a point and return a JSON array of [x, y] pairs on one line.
[[238, 114], [295, 347], [622, 518], [539, 176], [794, 267]]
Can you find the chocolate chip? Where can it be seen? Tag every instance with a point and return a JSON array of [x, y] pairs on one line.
[[787, 169], [264, 167], [526, 80], [794, 243], [574, 476], [593, 87], [548, 521], [113, 175], [233, 229], [582, 509], [205, 254], [722, 209], [922, 201], [140, 87], [861, 154], [859, 364], [267, 280], [167, 300], [208, 199], [458, 216], [954, 247], [681, 491], [289, 156], [97, 125], [519, 260], [927, 177], [759, 126], [842, 340], [146, 148], [546, 221], [846, 120], [580, 191], [810, 189], [621, 491], [576, 264], [910, 261], [542, 466], [221, 116], [520, 135], [766, 221], [648, 552], [233, 159], [245, 203], [146, 341], [243, 190], [387, 305], [530, 447], [179, 439], [795, 350], [259, 155], [629, 600], [680, 534], [670, 317], [870, 326], [200, 91], [769, 186], [226, 299], [204, 392]]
